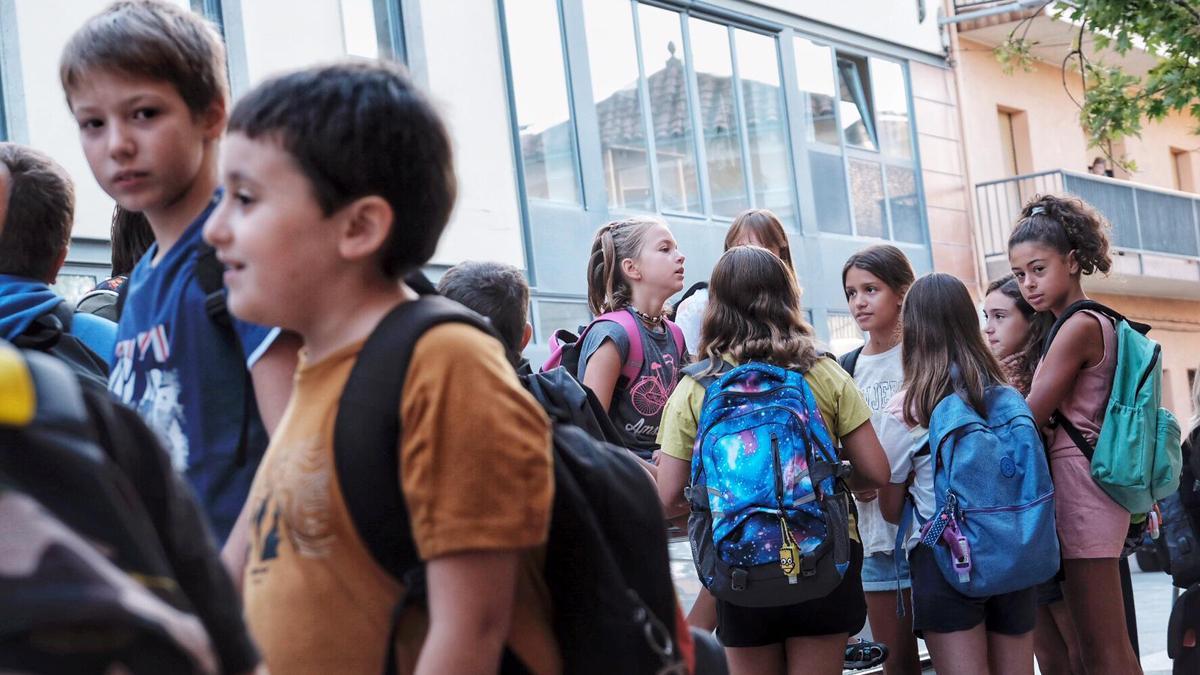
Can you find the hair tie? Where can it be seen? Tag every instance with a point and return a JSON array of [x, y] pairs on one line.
[[1036, 210]]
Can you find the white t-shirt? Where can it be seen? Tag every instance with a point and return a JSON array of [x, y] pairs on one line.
[[901, 443], [878, 377], [689, 316]]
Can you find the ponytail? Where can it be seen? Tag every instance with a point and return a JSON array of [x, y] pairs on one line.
[[608, 289]]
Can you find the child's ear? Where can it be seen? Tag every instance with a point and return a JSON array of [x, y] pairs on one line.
[[630, 269], [367, 223], [1073, 262], [214, 118], [526, 336]]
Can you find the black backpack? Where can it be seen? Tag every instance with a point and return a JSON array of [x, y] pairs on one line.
[[1181, 521], [849, 360], [85, 583], [606, 559], [51, 333]]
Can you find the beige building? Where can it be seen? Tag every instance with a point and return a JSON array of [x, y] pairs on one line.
[[1022, 137]]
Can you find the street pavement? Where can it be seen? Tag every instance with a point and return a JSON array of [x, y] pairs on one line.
[[1153, 594]]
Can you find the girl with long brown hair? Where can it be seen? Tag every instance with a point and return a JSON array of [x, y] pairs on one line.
[[754, 315]]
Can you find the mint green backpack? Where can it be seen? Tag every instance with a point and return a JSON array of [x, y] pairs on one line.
[[1136, 459]]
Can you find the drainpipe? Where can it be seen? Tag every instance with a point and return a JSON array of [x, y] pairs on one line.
[[951, 25]]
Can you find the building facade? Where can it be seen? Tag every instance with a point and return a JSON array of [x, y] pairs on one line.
[[1023, 137], [841, 118]]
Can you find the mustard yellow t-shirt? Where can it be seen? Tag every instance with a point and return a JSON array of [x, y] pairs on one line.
[[841, 403], [477, 475]]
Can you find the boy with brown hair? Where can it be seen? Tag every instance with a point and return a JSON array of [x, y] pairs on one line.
[[339, 181], [145, 80]]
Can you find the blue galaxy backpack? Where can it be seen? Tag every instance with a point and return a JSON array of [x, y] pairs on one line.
[[769, 514], [992, 530]]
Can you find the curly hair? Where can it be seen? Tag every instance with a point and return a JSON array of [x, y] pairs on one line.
[[608, 289], [1066, 224], [753, 312]]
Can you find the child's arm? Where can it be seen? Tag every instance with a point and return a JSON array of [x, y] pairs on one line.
[[272, 377], [891, 501], [673, 476], [471, 598], [870, 464], [1079, 343], [603, 369]]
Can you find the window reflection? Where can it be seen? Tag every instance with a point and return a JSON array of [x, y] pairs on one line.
[[814, 75], [866, 191], [855, 106], [891, 107], [540, 93], [718, 114], [666, 80], [612, 55], [905, 204], [758, 68]]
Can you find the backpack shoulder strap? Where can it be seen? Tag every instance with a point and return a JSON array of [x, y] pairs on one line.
[[696, 370], [849, 360], [210, 274], [677, 335], [1094, 306], [633, 362], [368, 423]]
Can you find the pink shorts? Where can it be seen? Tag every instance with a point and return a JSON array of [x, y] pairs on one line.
[[1090, 523]]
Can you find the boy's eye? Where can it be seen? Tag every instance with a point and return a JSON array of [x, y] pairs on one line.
[[144, 113], [90, 123], [242, 197]]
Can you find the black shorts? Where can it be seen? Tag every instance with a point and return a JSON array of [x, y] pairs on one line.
[[938, 607], [842, 611]]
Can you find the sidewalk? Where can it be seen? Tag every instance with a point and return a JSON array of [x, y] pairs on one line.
[[1153, 593]]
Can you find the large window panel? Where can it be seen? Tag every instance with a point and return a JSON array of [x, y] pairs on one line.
[[666, 80], [612, 55], [855, 105], [866, 189], [814, 75], [547, 133], [891, 108], [762, 94], [905, 204], [829, 192], [718, 113]]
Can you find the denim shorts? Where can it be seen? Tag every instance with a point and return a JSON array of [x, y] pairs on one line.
[[879, 573]]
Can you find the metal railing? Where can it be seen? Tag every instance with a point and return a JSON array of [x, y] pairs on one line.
[[1144, 219]]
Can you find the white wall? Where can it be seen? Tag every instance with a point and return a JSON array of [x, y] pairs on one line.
[[43, 28], [889, 20]]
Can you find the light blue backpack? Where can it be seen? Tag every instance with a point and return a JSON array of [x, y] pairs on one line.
[[769, 519], [993, 528]]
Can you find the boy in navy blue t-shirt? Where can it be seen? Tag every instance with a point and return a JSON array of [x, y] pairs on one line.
[[146, 83]]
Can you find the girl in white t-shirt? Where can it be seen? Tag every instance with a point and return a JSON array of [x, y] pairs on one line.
[[875, 280]]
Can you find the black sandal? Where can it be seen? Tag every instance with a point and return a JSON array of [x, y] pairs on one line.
[[862, 654]]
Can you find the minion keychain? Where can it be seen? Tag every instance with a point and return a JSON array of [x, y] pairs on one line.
[[789, 552]]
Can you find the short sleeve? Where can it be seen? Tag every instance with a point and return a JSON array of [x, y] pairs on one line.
[[839, 399], [475, 456], [255, 339], [595, 337], [853, 411], [900, 441], [680, 420]]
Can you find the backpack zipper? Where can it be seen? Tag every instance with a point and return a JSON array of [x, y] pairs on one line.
[[778, 471], [1002, 509], [1149, 368]]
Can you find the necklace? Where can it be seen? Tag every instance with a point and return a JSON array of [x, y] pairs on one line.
[[652, 320]]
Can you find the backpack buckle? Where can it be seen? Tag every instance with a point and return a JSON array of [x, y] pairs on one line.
[[738, 578], [808, 565]]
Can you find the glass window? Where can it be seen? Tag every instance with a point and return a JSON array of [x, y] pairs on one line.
[[556, 314], [814, 74], [905, 204], [666, 80], [844, 334], [211, 10], [547, 134], [718, 114], [829, 192], [612, 55], [891, 108], [372, 29], [858, 124], [866, 186], [758, 70]]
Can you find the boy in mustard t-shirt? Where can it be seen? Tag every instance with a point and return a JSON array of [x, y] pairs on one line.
[[339, 181]]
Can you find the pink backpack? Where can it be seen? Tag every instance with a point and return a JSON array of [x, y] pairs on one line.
[[565, 345]]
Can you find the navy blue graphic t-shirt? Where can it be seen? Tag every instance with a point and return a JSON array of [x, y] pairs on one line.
[[185, 376]]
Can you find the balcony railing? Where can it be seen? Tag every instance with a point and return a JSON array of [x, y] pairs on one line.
[[1156, 232]]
